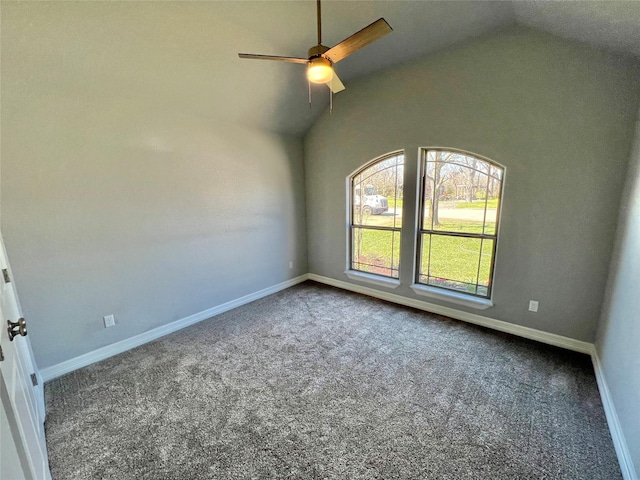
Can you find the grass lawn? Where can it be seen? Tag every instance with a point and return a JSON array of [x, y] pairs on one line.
[[491, 203], [456, 258], [377, 247]]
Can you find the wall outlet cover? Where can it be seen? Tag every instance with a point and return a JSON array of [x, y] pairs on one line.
[[109, 321], [533, 306]]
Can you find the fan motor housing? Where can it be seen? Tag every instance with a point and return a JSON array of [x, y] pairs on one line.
[[317, 51]]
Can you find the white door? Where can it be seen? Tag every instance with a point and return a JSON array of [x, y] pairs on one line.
[[25, 400], [12, 456]]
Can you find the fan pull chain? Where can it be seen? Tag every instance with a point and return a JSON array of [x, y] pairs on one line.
[[309, 82]]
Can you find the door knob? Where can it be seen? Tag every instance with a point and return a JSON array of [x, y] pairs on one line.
[[17, 328]]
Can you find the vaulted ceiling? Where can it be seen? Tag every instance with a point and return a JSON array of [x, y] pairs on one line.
[[183, 56]]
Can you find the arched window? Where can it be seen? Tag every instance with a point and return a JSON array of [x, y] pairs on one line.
[[458, 227], [375, 217]]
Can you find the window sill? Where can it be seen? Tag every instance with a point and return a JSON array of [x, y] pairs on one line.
[[452, 297], [373, 279]]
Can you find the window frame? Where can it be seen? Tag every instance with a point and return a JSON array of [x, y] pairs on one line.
[[450, 294], [361, 275]]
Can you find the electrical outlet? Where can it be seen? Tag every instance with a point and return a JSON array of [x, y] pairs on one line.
[[290, 264], [109, 321], [533, 306]]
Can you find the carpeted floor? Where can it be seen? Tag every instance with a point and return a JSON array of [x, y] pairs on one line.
[[313, 383]]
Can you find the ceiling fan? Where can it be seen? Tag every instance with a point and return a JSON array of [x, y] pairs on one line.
[[321, 58]]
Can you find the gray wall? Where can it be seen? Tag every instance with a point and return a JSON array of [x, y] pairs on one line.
[[110, 206], [618, 342], [558, 115]]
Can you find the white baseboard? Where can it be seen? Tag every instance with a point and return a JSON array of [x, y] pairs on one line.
[[619, 442], [72, 364], [526, 332]]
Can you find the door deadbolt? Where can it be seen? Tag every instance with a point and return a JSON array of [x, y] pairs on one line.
[[17, 328]]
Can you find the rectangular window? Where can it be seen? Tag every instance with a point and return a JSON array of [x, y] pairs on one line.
[[459, 213], [376, 216]]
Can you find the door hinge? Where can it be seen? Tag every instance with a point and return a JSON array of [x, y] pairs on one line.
[[1, 354], [5, 274], [34, 379]]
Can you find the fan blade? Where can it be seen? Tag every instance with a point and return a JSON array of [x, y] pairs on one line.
[[335, 85], [274, 57], [355, 42]]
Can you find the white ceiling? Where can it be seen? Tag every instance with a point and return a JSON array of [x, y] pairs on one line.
[[183, 56]]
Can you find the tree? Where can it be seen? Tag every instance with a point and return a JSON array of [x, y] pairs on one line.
[[385, 177], [437, 178]]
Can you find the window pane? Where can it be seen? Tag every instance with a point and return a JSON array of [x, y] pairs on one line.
[[493, 204], [429, 181], [377, 194], [440, 189], [459, 190], [486, 259], [423, 268], [461, 204], [454, 262], [376, 251]]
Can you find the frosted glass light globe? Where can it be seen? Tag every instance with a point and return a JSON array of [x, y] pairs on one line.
[[319, 70]]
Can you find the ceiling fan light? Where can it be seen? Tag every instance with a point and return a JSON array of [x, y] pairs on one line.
[[320, 70]]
